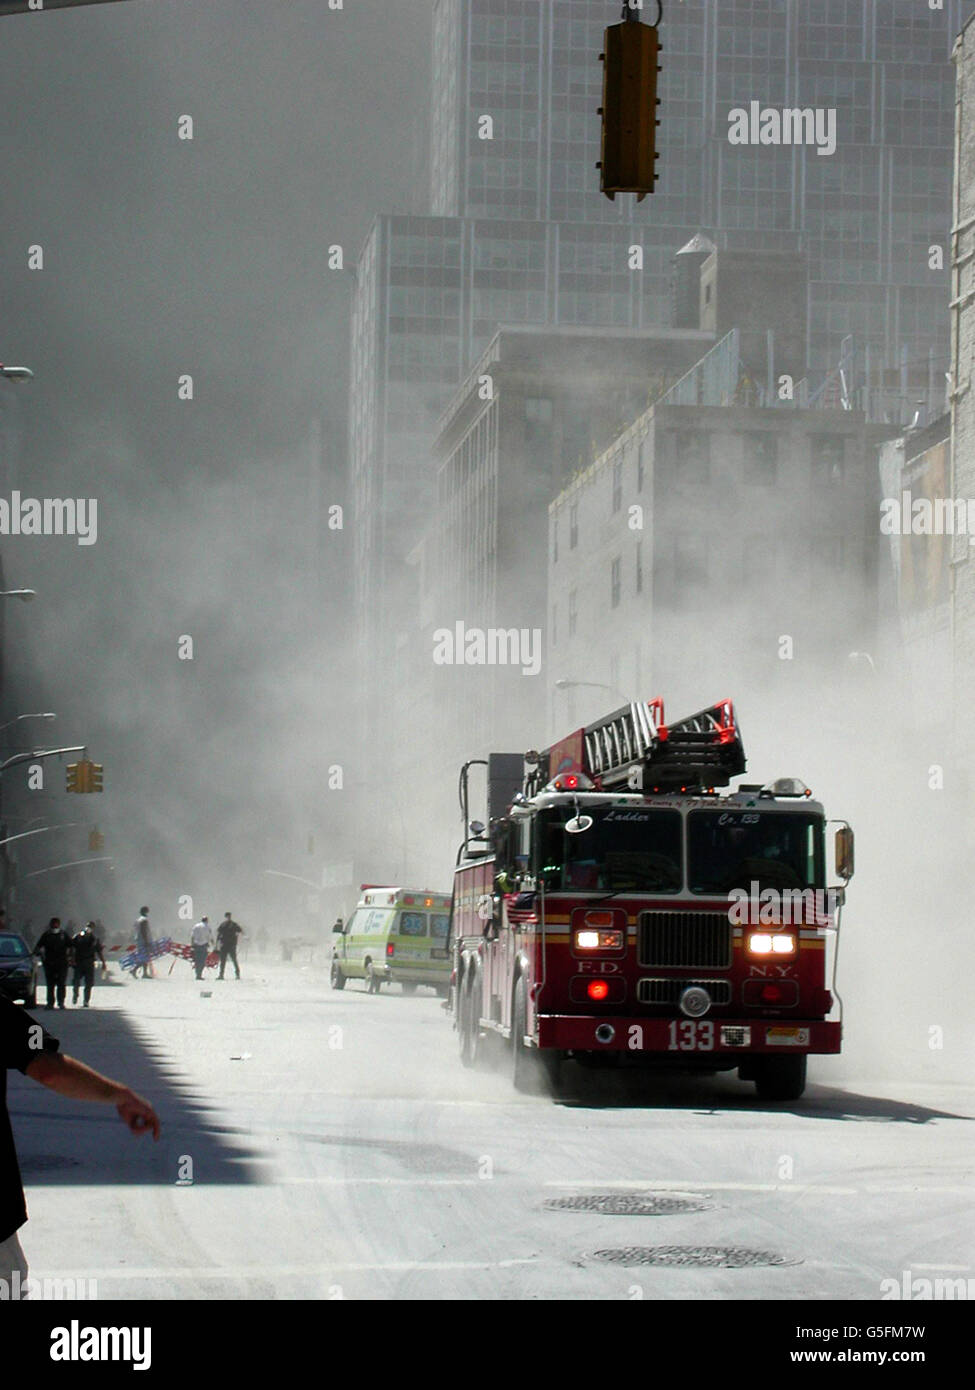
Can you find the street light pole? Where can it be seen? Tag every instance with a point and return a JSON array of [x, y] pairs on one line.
[[35, 755], [48, 715]]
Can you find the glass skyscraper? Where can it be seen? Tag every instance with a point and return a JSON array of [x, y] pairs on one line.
[[519, 233]]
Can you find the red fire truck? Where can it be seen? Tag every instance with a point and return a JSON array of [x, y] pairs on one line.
[[619, 908]]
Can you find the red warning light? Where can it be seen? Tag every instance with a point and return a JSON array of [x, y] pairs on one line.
[[597, 989]]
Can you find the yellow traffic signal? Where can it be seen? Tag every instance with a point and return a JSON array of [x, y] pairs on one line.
[[629, 109], [85, 776]]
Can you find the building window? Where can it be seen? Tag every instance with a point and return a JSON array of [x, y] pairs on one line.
[[761, 458], [827, 459], [573, 614], [573, 525], [693, 456], [639, 567], [617, 485], [691, 563], [759, 561], [616, 581]]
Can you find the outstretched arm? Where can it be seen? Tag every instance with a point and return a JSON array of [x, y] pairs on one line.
[[76, 1081]]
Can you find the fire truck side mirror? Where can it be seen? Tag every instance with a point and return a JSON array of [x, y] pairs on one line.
[[844, 853]]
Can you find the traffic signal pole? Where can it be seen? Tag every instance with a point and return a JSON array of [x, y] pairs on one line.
[[35, 755]]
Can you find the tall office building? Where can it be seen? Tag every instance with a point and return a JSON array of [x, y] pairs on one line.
[[868, 212], [518, 232]]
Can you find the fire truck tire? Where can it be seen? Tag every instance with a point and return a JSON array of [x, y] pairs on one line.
[[372, 980], [335, 976], [780, 1078], [532, 1072], [466, 1014]]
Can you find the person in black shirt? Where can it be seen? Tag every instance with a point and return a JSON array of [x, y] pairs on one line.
[[227, 934], [26, 1046], [84, 948], [52, 947]]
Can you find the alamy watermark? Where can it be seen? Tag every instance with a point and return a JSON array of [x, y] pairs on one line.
[[793, 125], [17, 1289], [914, 1290], [774, 907], [925, 516], [493, 646], [50, 516]]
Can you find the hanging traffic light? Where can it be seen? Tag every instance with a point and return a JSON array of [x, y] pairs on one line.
[[629, 109], [84, 776]]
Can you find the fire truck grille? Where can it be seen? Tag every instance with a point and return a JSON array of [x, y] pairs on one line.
[[670, 991], [699, 940]]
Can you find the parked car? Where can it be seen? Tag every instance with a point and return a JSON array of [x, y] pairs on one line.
[[18, 970]]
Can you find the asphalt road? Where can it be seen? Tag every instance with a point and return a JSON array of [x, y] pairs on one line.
[[324, 1145]]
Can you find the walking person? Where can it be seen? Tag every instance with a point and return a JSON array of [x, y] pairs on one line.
[[84, 948], [143, 942], [200, 939], [227, 934], [52, 947], [26, 1047]]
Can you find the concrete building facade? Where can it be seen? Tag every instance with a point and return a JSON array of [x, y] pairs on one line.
[[712, 547]]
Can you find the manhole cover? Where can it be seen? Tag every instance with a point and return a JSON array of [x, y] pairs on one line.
[[695, 1256], [627, 1204], [42, 1163]]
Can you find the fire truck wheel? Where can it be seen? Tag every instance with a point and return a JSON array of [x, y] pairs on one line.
[[465, 1022], [372, 980], [336, 978], [780, 1078], [533, 1072]]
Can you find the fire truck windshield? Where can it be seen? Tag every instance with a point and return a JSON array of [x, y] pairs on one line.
[[734, 849], [634, 849]]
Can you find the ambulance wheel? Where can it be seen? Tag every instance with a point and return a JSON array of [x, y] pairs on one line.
[[532, 1072], [780, 1078], [372, 980], [335, 976], [408, 989]]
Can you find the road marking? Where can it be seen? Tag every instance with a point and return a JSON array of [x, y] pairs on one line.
[[685, 1185], [385, 1182], [943, 1269], [670, 1185], [237, 1272]]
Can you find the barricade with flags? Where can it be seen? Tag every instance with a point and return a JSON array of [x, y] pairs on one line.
[[182, 952], [139, 955]]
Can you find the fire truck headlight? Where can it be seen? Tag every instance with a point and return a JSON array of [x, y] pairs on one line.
[[772, 944], [599, 940]]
